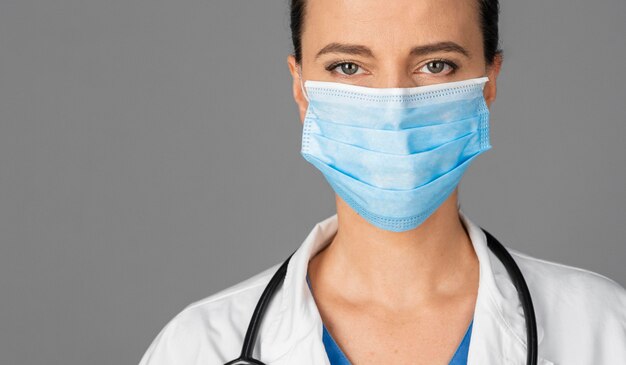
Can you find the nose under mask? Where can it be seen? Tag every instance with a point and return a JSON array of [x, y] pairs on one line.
[[394, 155]]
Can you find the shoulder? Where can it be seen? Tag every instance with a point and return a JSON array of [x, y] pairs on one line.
[[209, 330], [571, 283], [577, 308], [572, 301]]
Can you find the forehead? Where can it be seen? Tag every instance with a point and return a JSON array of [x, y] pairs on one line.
[[390, 25]]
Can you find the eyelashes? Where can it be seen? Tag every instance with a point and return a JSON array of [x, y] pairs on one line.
[[332, 67], [446, 63]]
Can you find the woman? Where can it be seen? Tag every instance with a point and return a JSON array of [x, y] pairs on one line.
[[394, 97]]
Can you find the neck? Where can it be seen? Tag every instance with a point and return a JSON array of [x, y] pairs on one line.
[[364, 263]]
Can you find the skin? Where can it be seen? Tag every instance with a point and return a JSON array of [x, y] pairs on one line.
[[395, 297]]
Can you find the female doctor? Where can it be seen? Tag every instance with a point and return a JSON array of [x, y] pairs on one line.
[[394, 98]]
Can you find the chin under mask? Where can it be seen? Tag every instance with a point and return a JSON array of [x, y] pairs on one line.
[[394, 154]]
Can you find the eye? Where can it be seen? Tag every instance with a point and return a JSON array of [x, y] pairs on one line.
[[438, 67], [345, 68]]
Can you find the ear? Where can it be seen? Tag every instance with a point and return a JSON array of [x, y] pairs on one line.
[[296, 90], [493, 71]]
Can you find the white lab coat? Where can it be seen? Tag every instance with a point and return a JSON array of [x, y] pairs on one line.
[[581, 315]]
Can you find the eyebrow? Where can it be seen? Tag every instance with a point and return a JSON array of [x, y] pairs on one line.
[[356, 49]]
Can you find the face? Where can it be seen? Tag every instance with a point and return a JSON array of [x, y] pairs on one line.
[[398, 43]]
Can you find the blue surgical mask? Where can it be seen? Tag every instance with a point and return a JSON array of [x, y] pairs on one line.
[[394, 154]]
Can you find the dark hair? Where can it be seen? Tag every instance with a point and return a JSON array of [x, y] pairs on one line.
[[489, 12]]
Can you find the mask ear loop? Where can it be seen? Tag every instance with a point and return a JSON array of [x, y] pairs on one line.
[[301, 85]]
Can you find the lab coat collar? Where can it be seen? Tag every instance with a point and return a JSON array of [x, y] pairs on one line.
[[294, 330]]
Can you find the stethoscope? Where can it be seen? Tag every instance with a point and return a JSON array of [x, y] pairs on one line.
[[496, 247]]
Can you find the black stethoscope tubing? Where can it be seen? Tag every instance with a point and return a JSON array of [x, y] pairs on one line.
[[494, 245]]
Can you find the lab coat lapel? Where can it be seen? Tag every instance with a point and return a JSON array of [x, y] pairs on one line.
[[293, 332], [499, 330]]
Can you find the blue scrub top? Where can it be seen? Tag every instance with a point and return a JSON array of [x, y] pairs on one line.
[[337, 357]]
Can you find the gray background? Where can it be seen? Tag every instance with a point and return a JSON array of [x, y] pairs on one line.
[[149, 157]]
